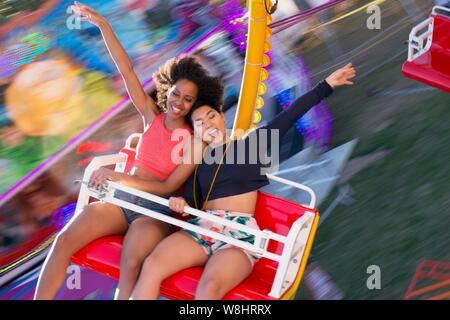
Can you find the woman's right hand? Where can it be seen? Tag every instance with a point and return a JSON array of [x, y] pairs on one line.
[[88, 14], [177, 204]]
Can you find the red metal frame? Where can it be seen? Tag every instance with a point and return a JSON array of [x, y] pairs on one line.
[[103, 255], [273, 213], [436, 271]]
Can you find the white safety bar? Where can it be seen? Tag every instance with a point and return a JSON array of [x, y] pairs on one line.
[[416, 46], [312, 203], [440, 8], [294, 243], [97, 162], [120, 167], [131, 138], [295, 246]]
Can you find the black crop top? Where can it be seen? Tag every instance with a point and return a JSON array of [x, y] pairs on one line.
[[244, 162]]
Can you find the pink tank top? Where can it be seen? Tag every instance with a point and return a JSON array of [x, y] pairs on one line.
[[160, 150]]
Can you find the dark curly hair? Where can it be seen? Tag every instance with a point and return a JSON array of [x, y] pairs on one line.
[[210, 89]]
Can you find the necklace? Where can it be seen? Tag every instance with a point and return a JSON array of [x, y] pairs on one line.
[[213, 180]]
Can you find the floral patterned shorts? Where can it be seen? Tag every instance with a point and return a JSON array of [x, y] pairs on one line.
[[211, 245]]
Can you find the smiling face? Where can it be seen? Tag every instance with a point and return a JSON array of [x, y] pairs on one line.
[[181, 97], [209, 125]]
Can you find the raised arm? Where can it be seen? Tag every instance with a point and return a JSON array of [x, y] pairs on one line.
[[143, 103], [286, 119]]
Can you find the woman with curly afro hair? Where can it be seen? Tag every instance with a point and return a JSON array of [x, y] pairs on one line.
[[159, 157]]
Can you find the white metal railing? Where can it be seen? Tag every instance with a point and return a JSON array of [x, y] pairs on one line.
[[131, 138], [97, 162], [294, 243], [440, 8], [416, 44], [120, 167], [312, 203]]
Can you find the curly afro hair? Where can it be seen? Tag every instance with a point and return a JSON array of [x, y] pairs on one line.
[[210, 89]]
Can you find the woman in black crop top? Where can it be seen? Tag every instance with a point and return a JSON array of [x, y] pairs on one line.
[[224, 184]]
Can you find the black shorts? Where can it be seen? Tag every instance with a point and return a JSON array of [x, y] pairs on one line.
[[130, 215]]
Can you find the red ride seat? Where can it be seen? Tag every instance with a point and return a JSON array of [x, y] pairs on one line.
[[275, 214], [272, 213], [433, 67]]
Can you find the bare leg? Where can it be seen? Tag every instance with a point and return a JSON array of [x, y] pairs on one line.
[[224, 271], [95, 221], [177, 252], [142, 236]]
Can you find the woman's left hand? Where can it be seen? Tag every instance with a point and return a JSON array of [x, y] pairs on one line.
[[342, 76], [100, 176]]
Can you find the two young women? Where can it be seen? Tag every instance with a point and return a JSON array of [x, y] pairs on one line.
[[226, 189]]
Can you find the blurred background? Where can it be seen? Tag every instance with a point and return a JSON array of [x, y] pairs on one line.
[[376, 154]]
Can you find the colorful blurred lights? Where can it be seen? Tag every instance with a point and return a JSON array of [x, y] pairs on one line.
[[259, 103], [262, 88]]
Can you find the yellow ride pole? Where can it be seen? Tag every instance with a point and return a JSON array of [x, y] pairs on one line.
[[252, 88], [254, 61]]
